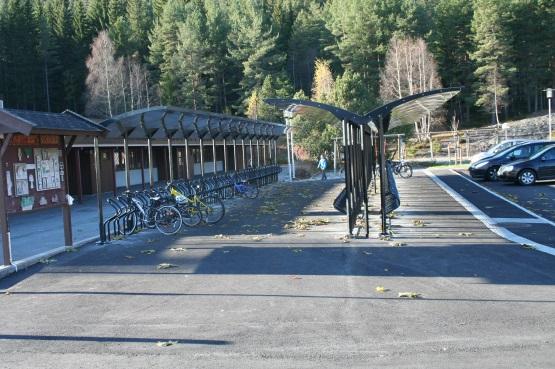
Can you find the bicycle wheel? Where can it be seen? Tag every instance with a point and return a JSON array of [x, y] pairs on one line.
[[168, 220], [191, 215], [405, 171], [251, 191], [212, 209], [128, 223]]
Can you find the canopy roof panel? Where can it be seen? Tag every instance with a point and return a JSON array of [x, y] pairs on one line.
[[403, 111], [67, 123], [164, 122]]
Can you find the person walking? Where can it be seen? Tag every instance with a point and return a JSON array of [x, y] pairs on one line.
[[322, 165]]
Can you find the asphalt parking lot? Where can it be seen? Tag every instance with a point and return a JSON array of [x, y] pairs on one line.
[[539, 198], [263, 289]]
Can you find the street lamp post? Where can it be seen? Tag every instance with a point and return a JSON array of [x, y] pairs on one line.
[[549, 94]]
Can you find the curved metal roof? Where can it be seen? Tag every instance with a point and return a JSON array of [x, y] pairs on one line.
[[406, 110], [162, 122]]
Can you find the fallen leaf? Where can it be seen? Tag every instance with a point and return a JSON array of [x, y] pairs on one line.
[[295, 277], [381, 289], [71, 249], [297, 250], [466, 234], [178, 249], [148, 252], [47, 260], [410, 295], [129, 257], [166, 266], [166, 343], [397, 244], [222, 237], [7, 293], [151, 240], [386, 270], [257, 238], [225, 251], [418, 223], [528, 247], [367, 252]]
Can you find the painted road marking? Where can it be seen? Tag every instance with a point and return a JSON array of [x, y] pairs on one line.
[[486, 220], [504, 199], [520, 220]]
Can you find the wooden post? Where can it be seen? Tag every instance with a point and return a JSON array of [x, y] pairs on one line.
[[214, 154], [201, 157], [243, 152], [66, 211], [78, 174], [187, 158], [235, 154], [4, 225], [99, 201]]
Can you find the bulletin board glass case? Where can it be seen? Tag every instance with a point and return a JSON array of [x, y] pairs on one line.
[[34, 171]]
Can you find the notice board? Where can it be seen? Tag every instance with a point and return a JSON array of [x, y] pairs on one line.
[[34, 172]]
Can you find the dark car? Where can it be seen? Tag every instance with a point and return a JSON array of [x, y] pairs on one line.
[[487, 167], [540, 166]]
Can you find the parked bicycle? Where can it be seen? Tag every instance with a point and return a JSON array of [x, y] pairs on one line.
[[243, 188], [191, 200], [153, 212], [402, 168]]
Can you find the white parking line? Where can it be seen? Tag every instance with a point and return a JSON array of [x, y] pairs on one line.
[[504, 199], [486, 220], [520, 220]]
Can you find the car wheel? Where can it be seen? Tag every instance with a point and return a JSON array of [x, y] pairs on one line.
[[527, 177], [492, 173]]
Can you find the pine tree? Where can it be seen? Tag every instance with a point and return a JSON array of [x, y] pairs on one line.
[[253, 46], [493, 55]]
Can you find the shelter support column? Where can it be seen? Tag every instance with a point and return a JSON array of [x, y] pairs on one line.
[[126, 154], [275, 151], [251, 153], [99, 200], [150, 163], [170, 158], [225, 156], [201, 157], [6, 238], [66, 211], [244, 154], [214, 155], [257, 153], [383, 175], [187, 158]]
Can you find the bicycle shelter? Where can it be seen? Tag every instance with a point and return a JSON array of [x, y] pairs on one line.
[[33, 164], [364, 145], [183, 127]]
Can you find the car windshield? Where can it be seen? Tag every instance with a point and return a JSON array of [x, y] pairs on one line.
[[507, 151], [500, 147]]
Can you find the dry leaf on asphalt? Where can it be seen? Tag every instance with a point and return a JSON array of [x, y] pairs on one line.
[[297, 250], [47, 260], [465, 234], [367, 252], [151, 240], [178, 249], [166, 266], [7, 293], [257, 238], [418, 223], [397, 244], [129, 257], [410, 295], [222, 237], [381, 289], [166, 343], [71, 249], [295, 277], [148, 252], [528, 247]]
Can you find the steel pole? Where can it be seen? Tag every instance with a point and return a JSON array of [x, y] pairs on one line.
[[214, 154], [251, 157], [275, 151], [235, 154], [549, 117], [244, 154], [257, 153]]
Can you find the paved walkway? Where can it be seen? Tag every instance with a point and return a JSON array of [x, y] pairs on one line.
[[269, 293]]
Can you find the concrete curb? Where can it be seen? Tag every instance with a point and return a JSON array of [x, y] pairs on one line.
[[32, 260]]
